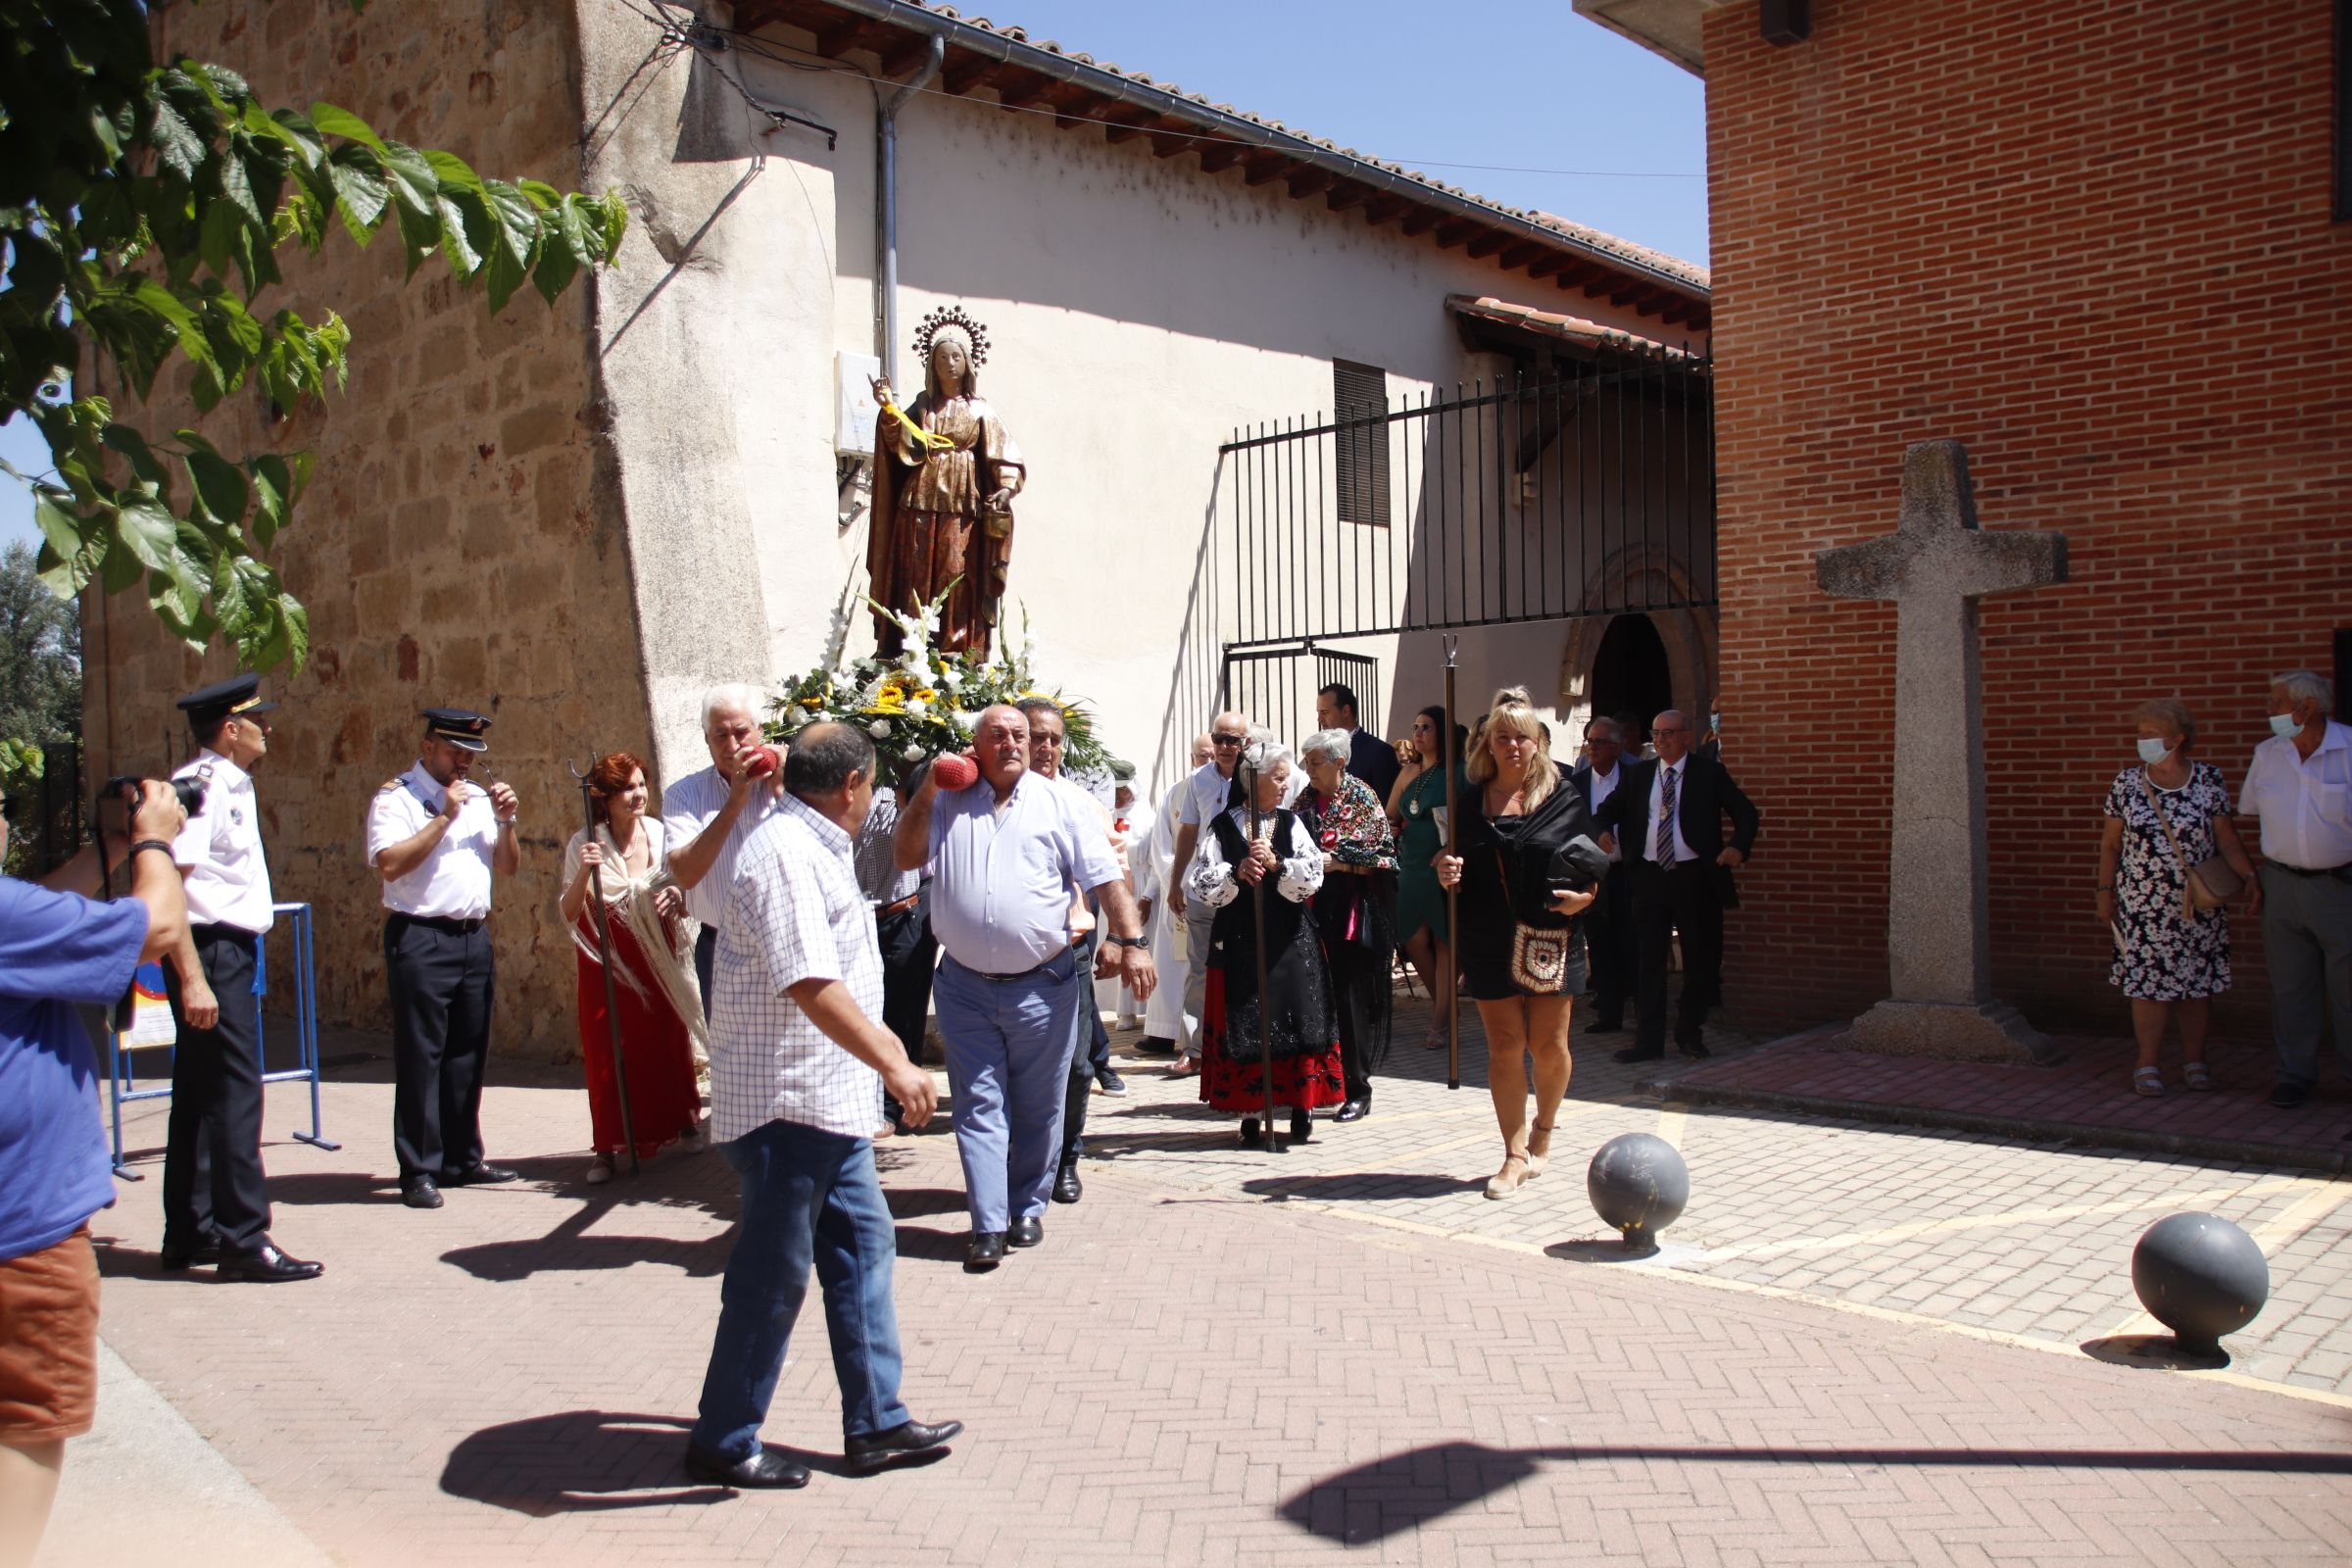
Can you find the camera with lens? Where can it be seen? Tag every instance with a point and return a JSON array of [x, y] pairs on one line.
[[118, 798]]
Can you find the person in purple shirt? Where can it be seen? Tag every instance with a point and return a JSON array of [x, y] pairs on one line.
[[58, 948]]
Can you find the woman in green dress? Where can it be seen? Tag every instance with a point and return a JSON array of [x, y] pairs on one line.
[[1417, 806]]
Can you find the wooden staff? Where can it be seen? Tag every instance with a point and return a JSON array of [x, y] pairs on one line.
[[1453, 919], [1258, 892], [604, 954]]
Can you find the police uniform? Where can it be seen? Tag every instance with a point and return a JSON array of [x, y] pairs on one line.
[[215, 1198], [443, 977]]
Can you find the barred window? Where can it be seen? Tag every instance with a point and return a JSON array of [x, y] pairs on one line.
[[1361, 451]]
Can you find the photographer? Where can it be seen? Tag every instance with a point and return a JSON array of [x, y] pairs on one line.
[[58, 948]]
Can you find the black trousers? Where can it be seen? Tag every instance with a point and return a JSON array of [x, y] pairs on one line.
[[705, 964], [443, 985], [1612, 947], [1683, 900], [910, 955], [212, 1153], [1083, 1046]]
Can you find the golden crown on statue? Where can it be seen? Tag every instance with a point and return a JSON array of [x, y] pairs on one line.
[[951, 318]]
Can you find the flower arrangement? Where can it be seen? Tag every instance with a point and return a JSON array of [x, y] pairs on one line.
[[922, 701]]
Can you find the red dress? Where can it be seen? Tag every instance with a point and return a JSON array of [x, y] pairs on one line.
[[654, 1045], [1304, 1083]]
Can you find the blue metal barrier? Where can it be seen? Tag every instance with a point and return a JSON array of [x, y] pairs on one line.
[[296, 919]]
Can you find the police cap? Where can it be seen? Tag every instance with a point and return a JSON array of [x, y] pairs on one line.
[[459, 726], [239, 695]]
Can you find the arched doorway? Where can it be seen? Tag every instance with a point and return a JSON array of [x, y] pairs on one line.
[[1631, 676]]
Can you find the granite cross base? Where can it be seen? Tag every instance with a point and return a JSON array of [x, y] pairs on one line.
[[1956, 1031]]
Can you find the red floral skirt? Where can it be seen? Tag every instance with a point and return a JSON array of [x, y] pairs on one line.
[[1303, 1083]]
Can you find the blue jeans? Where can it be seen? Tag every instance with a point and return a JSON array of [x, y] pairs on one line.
[[809, 1196], [1008, 1064]]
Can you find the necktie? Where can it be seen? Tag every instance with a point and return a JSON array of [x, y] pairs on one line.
[[1665, 849]]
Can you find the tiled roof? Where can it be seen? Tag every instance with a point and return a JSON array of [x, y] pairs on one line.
[[1557, 324]]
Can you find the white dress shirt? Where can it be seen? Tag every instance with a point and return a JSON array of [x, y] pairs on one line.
[[219, 851], [1000, 881], [2305, 802], [453, 882], [1204, 792], [794, 912], [1657, 795], [1604, 785], [691, 805]]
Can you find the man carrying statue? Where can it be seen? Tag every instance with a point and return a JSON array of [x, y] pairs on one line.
[[952, 472]]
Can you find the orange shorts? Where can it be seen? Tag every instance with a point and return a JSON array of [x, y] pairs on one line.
[[49, 1343]]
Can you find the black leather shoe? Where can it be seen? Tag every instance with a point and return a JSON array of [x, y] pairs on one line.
[[986, 1252], [1067, 1188], [265, 1264], [1696, 1050], [1353, 1110], [420, 1192], [1156, 1046], [1303, 1127], [1605, 1026], [174, 1257], [1025, 1233], [901, 1445], [1249, 1138], [2290, 1096], [1639, 1053], [765, 1468], [484, 1175]]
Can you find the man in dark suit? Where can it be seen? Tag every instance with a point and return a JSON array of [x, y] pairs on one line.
[[1667, 818], [1369, 758], [1610, 945]]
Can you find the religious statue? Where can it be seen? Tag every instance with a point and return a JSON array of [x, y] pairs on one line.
[[952, 472]]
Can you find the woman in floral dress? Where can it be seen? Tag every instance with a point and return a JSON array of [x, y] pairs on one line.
[[2170, 960], [1355, 909]]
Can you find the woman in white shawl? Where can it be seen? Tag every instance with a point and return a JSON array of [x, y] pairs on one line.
[[1167, 1025], [653, 972]]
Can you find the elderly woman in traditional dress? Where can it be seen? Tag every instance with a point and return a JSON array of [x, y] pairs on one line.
[[1528, 866], [1353, 909], [2171, 957], [1300, 1032], [956, 471], [653, 973]]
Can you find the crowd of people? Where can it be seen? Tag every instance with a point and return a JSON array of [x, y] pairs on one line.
[[1253, 922]]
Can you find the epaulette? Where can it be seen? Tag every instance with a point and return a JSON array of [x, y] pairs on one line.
[[203, 771], [389, 785]]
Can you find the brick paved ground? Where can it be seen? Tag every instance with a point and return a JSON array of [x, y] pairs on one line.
[[1861, 1346], [2087, 1097]]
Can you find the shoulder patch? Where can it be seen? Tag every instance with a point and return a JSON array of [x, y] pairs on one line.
[[203, 771]]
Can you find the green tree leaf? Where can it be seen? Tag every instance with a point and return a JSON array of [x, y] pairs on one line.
[[330, 120], [361, 192]]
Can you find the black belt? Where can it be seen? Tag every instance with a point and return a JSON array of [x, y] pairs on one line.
[[2299, 870], [1023, 974], [900, 907], [435, 922], [220, 931]]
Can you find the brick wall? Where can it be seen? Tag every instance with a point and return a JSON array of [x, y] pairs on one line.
[[2094, 242], [456, 546]]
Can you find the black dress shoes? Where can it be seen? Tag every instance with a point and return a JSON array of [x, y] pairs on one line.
[[765, 1468], [1156, 1046], [1067, 1188], [265, 1263], [1354, 1111], [901, 1445], [175, 1257], [986, 1252], [2290, 1096], [1641, 1053], [421, 1191], [484, 1175], [1025, 1233]]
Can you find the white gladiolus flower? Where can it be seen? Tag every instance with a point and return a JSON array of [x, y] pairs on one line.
[[879, 730]]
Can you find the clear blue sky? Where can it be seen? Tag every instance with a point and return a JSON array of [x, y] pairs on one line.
[[1502, 98]]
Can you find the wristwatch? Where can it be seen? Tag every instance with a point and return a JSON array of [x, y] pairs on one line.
[[1132, 942]]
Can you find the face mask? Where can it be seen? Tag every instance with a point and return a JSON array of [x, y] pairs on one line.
[[2284, 724], [2152, 751], [1715, 723]]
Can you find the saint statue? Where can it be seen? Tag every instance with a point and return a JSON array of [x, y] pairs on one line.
[[952, 472]]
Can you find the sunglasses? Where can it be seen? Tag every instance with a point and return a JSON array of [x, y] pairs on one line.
[[1227, 739]]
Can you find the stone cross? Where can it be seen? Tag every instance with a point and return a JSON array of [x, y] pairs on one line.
[[1934, 566]]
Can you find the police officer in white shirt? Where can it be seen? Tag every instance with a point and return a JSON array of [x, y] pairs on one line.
[[2300, 785], [436, 838], [216, 1203]]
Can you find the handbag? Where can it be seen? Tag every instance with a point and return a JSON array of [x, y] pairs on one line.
[[2212, 882], [1539, 953]]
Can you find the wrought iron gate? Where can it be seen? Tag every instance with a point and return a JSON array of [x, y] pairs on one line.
[[1277, 686]]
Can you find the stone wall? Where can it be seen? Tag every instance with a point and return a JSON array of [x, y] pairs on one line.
[[462, 543], [2094, 242]]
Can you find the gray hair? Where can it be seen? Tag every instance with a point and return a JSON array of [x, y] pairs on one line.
[[740, 696], [1263, 752], [1335, 744], [825, 757], [2305, 686]]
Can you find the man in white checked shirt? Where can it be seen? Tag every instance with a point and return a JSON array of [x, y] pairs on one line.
[[799, 1059]]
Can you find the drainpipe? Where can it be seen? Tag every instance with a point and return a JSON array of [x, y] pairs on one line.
[[886, 208]]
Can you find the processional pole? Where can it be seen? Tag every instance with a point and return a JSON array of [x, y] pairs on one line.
[[1453, 924], [604, 954], [1265, 1003]]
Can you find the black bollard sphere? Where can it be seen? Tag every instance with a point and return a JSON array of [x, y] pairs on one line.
[[1638, 1184], [2201, 1277]]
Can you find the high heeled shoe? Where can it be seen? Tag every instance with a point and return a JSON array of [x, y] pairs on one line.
[[1509, 1180], [1538, 1145]]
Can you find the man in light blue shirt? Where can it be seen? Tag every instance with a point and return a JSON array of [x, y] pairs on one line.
[[1004, 854]]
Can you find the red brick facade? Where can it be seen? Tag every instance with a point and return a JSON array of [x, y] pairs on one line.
[[2093, 241]]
